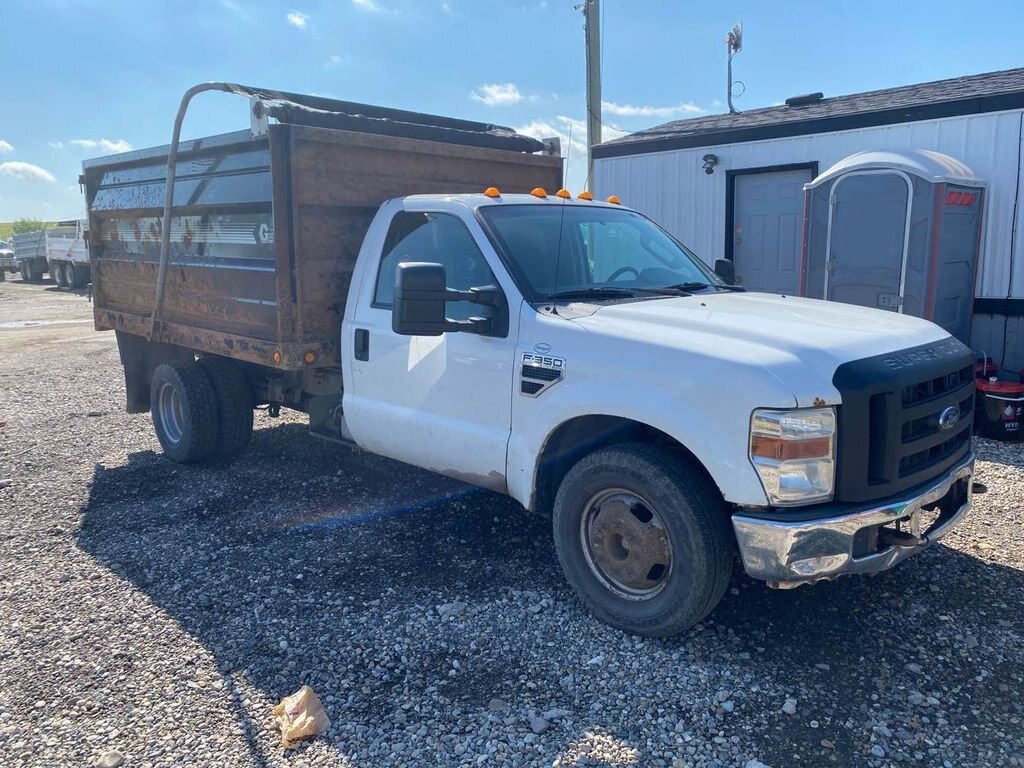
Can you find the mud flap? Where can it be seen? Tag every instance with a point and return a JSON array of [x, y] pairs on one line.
[[140, 358]]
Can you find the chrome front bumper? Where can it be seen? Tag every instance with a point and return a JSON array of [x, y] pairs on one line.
[[789, 553]]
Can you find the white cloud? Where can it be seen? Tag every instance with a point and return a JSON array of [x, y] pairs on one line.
[[368, 5], [446, 7], [333, 60], [573, 136], [298, 19], [497, 94], [56, 144], [106, 146], [629, 110], [6, 147], [26, 172]]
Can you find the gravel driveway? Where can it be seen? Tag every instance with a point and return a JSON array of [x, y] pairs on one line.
[[154, 613]]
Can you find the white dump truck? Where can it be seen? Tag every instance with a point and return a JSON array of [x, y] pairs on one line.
[[418, 287], [62, 250]]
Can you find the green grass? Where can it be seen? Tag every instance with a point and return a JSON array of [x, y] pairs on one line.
[[7, 226]]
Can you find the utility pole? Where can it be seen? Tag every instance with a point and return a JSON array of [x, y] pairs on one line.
[[592, 25]]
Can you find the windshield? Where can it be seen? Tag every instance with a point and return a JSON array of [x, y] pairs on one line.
[[597, 251]]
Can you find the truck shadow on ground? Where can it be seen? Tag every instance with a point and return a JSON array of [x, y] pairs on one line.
[[298, 557]]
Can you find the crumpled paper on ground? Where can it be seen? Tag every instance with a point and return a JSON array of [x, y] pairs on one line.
[[300, 715]]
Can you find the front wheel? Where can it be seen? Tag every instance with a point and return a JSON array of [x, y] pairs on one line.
[[643, 537]]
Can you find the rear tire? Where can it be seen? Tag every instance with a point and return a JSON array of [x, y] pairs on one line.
[[77, 276], [57, 273], [619, 515], [23, 268], [184, 410], [234, 405]]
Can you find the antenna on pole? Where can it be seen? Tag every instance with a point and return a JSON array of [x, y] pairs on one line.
[[734, 43]]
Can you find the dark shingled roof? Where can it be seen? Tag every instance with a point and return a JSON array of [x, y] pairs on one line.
[[972, 94]]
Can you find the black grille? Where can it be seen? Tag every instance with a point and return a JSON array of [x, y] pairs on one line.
[[541, 374], [890, 438], [530, 387]]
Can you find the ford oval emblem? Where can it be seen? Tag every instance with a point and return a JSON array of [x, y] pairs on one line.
[[949, 418], [542, 348]]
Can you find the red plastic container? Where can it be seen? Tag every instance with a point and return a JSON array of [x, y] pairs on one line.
[[1000, 409]]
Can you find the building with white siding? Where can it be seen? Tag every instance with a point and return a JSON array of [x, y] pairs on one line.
[[731, 186]]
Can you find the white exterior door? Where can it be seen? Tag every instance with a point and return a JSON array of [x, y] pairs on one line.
[[438, 402], [767, 225]]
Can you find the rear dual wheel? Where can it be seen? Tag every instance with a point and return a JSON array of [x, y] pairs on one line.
[[642, 536], [57, 273], [77, 276], [200, 409]]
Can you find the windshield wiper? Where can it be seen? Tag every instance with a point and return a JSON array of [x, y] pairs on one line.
[[595, 292], [697, 286]]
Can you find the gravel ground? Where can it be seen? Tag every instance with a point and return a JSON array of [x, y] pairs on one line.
[[154, 613]]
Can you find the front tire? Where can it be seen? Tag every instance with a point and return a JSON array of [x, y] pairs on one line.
[[643, 538], [184, 411]]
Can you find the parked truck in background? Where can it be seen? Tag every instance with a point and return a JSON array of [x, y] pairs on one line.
[[7, 261], [61, 250], [30, 254], [415, 286]]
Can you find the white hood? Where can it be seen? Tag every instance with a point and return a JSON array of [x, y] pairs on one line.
[[799, 341]]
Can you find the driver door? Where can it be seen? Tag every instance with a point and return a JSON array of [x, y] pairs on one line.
[[439, 402]]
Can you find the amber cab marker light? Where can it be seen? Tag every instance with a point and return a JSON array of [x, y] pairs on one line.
[[614, 200], [563, 193], [584, 195], [539, 192], [277, 357], [492, 192], [309, 357]]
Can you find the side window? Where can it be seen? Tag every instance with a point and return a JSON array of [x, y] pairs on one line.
[[439, 238]]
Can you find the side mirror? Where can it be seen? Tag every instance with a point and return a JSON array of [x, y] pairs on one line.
[[726, 270], [421, 292]]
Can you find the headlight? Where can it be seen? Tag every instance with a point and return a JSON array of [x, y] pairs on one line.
[[794, 453]]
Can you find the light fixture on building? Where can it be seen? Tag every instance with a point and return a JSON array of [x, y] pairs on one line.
[[710, 161]]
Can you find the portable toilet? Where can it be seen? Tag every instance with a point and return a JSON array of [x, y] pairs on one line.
[[896, 230]]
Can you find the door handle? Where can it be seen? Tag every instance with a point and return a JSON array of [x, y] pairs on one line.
[[362, 344]]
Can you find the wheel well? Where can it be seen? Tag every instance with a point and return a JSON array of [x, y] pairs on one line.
[[577, 437]]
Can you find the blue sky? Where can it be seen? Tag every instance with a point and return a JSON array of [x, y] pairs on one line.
[[81, 78]]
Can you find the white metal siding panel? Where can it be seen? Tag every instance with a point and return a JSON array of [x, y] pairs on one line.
[[672, 188]]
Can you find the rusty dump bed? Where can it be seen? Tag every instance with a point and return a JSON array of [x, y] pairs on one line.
[[265, 231]]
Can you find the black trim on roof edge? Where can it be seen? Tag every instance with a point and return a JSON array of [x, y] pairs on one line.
[[976, 105]]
